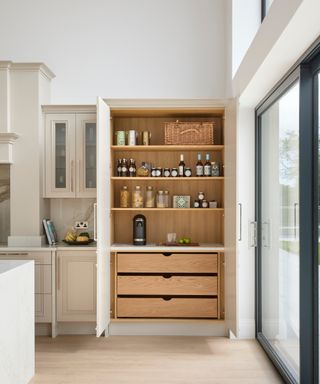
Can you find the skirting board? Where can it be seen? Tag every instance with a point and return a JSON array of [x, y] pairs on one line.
[[167, 329]]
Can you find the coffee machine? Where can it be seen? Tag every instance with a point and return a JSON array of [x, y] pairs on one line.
[[139, 230]]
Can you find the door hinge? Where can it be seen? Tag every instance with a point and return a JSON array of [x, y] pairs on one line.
[[253, 234]]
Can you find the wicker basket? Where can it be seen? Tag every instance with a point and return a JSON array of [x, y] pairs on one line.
[[188, 133]]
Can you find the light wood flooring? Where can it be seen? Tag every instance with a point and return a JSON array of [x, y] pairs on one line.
[[151, 360]]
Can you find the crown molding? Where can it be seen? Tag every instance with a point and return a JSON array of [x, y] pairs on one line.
[[8, 137], [69, 108], [44, 70]]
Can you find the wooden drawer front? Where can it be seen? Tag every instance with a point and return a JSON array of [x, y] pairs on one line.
[[167, 285], [43, 308], [176, 262], [173, 308], [38, 257], [42, 278]]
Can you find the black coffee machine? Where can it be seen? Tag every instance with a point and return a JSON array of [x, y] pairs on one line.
[[139, 230]]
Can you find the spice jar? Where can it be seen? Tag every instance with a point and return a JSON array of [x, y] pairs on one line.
[[200, 196], [124, 197], [166, 172], [174, 172], [204, 204], [150, 197], [143, 171], [137, 197], [160, 200], [196, 204], [166, 199], [187, 172]]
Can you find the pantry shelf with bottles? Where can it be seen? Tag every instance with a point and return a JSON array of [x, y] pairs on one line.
[[178, 189]]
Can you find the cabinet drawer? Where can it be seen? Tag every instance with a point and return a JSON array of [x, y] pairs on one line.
[[42, 278], [168, 262], [38, 257], [43, 308], [173, 308], [167, 285]]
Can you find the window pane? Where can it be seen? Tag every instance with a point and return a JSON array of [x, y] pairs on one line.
[[280, 227]]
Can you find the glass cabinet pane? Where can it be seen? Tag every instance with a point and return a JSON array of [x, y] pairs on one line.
[[60, 155], [90, 155]]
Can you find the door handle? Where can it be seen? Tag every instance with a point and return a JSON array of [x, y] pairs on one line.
[[94, 222], [71, 172], [295, 219], [240, 222]]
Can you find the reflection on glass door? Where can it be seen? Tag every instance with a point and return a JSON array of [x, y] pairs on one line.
[[279, 228]]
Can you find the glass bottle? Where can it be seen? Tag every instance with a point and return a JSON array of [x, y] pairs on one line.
[[124, 168], [124, 197], [137, 197], [215, 169], [207, 166], [150, 197], [132, 168], [199, 166], [119, 167], [160, 200], [181, 166]]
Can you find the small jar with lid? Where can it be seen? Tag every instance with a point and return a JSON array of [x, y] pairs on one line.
[[161, 199], [200, 196], [124, 197], [187, 172], [166, 199], [174, 172], [166, 172], [196, 204], [137, 197], [204, 204], [150, 197], [215, 169]]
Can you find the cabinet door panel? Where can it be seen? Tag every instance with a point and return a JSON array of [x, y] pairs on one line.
[[86, 154], [76, 286], [43, 308], [42, 275], [60, 155]]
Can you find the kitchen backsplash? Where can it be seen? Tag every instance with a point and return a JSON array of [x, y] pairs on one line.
[[64, 213], [4, 202]]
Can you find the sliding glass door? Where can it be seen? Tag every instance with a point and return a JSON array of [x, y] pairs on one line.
[[278, 225]]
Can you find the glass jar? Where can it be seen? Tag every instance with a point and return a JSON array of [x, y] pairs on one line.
[[215, 168], [150, 197], [124, 197], [204, 204], [174, 172], [143, 171], [161, 200], [137, 197], [166, 199], [200, 196]]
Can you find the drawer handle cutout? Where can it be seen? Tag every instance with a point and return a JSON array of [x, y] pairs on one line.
[[167, 254], [166, 276], [166, 298]]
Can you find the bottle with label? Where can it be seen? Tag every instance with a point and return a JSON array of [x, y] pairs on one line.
[[124, 197], [199, 166], [132, 168], [119, 167], [124, 168], [207, 166], [215, 169], [181, 166], [166, 199]]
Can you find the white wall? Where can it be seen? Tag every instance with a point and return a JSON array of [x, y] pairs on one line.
[[120, 48]]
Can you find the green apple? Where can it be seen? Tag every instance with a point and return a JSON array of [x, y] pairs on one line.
[[187, 240], [181, 241]]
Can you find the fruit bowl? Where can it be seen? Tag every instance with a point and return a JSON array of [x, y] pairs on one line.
[[75, 242]]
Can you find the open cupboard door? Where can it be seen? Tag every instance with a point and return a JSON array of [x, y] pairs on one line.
[[230, 231], [103, 218]]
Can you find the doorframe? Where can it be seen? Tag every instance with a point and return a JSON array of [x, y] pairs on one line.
[[305, 71]]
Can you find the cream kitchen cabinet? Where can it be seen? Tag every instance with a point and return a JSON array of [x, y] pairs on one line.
[[76, 286], [43, 281], [70, 155]]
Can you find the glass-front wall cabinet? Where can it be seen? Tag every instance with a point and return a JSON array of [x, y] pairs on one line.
[[70, 155]]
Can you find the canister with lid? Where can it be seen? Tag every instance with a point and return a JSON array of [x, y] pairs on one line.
[[124, 197], [161, 199], [137, 197], [150, 197]]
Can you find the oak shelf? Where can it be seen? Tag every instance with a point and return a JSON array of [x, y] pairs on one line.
[[149, 178], [170, 209], [166, 148]]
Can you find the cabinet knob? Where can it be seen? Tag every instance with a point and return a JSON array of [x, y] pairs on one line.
[[166, 298], [167, 254]]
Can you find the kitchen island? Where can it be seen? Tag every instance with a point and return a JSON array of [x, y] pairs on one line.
[[17, 363]]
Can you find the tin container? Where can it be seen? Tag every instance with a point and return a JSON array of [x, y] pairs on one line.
[[146, 136], [120, 137], [132, 137]]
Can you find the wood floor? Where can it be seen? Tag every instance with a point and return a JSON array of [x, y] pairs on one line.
[[151, 360]]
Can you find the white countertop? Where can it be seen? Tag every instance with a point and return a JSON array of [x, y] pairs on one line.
[[8, 265], [59, 246], [208, 247]]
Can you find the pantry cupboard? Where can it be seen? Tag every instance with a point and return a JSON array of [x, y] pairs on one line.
[[157, 282]]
